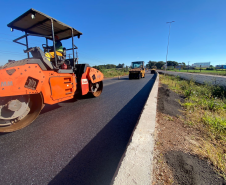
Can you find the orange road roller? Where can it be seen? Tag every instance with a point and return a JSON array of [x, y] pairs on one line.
[[46, 76]]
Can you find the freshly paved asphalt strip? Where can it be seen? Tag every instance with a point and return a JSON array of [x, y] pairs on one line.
[[137, 163], [76, 142]]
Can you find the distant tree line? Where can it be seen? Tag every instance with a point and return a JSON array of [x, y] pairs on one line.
[[150, 64], [160, 64], [105, 66], [110, 66]]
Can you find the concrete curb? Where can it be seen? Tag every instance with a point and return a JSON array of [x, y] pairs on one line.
[[136, 165]]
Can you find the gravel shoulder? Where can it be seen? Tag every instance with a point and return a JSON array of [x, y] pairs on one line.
[[174, 160]]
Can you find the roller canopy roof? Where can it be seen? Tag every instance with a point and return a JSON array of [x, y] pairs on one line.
[[41, 25]]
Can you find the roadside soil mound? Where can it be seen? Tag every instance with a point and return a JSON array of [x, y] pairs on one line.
[[168, 101], [190, 169], [174, 160]]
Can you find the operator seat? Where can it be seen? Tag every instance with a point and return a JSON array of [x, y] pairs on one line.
[[60, 59], [64, 53]]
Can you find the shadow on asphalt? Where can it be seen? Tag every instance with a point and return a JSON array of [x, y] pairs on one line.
[[49, 108], [97, 162], [1, 134]]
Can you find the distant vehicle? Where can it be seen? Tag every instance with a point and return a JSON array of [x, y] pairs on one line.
[[137, 70], [28, 84], [153, 69]]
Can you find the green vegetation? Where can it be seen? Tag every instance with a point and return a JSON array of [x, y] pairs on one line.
[[158, 64], [204, 71], [205, 109], [115, 72], [110, 66], [111, 70]]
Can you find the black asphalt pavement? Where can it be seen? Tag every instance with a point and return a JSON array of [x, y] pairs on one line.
[[75, 142]]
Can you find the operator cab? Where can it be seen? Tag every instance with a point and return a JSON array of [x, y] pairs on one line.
[[35, 23], [138, 64]]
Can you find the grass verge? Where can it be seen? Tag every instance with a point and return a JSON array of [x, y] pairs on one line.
[[205, 110]]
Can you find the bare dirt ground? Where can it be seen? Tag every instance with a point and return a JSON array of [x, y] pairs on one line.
[[174, 160]]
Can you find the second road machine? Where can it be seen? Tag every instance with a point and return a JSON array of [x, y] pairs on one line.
[[28, 84], [153, 69], [137, 70]]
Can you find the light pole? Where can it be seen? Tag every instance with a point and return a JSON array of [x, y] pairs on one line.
[[188, 66], [168, 42]]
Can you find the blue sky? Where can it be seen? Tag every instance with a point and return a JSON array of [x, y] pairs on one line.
[[122, 31]]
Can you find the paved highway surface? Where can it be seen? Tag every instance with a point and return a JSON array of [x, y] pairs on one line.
[[78, 141], [200, 78]]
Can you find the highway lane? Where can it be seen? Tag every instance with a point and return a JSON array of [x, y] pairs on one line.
[[78, 141]]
